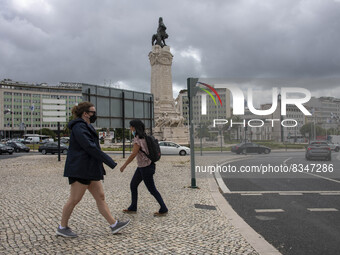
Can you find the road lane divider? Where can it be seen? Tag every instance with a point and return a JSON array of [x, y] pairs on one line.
[[251, 194], [269, 210], [290, 194], [285, 161], [322, 209], [330, 194], [322, 177]]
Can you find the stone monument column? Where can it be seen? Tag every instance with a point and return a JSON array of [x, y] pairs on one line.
[[161, 79], [161, 61], [168, 121]]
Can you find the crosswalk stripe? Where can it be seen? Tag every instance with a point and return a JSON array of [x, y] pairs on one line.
[[251, 194], [290, 194], [335, 192], [322, 209], [330, 194], [268, 210]]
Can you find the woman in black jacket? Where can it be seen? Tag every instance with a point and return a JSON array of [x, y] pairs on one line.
[[84, 168]]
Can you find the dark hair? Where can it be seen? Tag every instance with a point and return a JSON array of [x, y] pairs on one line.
[[139, 126], [78, 110]]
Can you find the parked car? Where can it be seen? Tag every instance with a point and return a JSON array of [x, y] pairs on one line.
[[318, 149], [18, 146], [64, 139], [334, 146], [6, 149], [32, 139], [17, 140], [53, 148], [250, 148], [173, 148], [47, 140]]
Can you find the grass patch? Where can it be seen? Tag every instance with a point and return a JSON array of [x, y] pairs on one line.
[[274, 145], [212, 149]]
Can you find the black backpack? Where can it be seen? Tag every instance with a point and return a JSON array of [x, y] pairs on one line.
[[153, 147]]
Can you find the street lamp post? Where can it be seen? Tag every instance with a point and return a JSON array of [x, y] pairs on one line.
[[6, 111], [281, 118], [314, 126]]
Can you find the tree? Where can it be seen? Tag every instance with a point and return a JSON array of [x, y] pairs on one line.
[[119, 134], [48, 132], [333, 131], [236, 118], [66, 130], [202, 131], [309, 128]]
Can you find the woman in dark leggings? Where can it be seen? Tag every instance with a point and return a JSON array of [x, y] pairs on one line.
[[145, 170]]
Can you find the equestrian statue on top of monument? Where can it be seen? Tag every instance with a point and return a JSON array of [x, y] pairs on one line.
[[161, 34]]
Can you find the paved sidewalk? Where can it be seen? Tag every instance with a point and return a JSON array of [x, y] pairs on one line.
[[33, 191]]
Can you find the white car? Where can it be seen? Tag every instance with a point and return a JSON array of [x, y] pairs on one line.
[[173, 148], [334, 146]]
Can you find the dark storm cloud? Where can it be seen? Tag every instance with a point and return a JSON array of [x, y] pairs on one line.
[[108, 41]]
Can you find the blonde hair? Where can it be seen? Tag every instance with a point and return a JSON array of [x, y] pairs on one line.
[[78, 110]]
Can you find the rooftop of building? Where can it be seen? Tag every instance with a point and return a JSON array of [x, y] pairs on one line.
[[8, 83]]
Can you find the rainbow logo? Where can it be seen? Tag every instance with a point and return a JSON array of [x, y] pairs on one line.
[[209, 93], [204, 99]]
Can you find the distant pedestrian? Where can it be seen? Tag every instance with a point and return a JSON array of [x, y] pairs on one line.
[[84, 168], [145, 170]]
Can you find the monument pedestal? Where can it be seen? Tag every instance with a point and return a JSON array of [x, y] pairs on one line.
[[174, 134], [168, 122]]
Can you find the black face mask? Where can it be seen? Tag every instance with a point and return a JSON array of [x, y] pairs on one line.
[[93, 118]]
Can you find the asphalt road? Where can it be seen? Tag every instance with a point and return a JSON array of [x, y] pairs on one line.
[[298, 213]]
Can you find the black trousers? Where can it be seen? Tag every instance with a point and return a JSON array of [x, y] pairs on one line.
[[145, 174]]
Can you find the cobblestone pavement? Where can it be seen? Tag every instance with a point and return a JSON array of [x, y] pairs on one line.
[[33, 192]]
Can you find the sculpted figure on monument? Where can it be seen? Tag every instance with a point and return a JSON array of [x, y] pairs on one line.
[[160, 121], [164, 120], [177, 122], [161, 34]]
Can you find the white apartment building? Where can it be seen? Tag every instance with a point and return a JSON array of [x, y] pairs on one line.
[[21, 105], [325, 112]]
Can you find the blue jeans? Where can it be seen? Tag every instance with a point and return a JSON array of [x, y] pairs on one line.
[[145, 174]]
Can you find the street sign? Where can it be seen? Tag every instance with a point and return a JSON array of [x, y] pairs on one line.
[[54, 107], [57, 114], [53, 101], [54, 113], [54, 119], [58, 110]]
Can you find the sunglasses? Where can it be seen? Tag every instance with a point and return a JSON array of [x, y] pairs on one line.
[[94, 112]]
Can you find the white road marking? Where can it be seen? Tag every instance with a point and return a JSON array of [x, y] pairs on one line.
[[336, 192], [330, 194], [268, 210], [322, 209], [284, 162], [251, 194], [329, 179], [290, 194], [221, 183], [322, 177], [218, 176]]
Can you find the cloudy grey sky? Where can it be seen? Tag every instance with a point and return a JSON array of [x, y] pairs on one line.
[[108, 41]]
